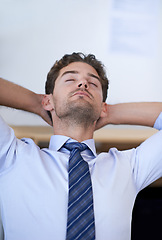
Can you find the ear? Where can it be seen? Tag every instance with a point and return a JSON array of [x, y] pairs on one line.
[[47, 102], [104, 110]]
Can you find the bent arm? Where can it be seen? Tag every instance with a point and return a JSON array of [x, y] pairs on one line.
[[15, 96], [138, 113]]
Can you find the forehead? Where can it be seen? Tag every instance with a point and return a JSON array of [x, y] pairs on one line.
[[80, 67]]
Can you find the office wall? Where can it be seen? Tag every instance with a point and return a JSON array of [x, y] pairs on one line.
[[125, 35]]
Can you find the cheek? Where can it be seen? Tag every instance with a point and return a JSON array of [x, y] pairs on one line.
[[60, 98], [99, 96], [59, 92]]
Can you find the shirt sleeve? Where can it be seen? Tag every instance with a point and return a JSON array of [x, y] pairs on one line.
[[1, 227], [148, 159], [158, 122], [7, 145]]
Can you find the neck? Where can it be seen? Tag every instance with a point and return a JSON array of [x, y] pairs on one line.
[[73, 130]]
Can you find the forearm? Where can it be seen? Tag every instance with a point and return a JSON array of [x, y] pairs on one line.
[[15, 96], [140, 113]]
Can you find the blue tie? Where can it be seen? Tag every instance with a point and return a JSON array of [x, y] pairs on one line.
[[80, 222]]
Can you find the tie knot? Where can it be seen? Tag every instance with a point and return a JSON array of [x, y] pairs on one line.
[[75, 145]]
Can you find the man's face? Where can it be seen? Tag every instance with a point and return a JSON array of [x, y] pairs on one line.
[[78, 92]]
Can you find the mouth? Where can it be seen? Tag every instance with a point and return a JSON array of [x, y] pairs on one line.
[[82, 93]]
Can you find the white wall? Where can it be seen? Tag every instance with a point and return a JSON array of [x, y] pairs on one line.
[[125, 35]]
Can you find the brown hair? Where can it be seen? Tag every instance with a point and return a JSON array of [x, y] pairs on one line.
[[77, 57]]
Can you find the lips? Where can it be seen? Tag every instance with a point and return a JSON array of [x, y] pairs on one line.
[[82, 93]]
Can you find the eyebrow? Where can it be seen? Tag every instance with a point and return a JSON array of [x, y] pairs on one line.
[[76, 72]]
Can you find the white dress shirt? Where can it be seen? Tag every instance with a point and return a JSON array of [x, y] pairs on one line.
[[34, 185]]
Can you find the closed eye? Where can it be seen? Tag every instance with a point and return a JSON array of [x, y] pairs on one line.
[[93, 84], [69, 80]]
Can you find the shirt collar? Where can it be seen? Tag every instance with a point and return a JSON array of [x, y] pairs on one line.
[[57, 141]]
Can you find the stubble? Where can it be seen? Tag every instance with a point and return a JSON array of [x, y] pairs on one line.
[[77, 112]]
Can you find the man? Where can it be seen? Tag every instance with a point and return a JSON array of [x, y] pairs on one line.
[[34, 182]]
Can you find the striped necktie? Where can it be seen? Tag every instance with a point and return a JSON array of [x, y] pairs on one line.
[[80, 221]]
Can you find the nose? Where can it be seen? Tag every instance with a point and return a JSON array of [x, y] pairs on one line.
[[83, 84]]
